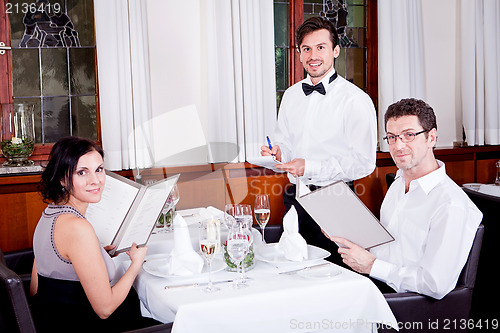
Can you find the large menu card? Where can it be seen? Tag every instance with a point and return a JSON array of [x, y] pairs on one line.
[[128, 211], [339, 212]]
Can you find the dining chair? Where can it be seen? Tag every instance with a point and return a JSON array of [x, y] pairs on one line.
[[418, 313], [15, 313], [487, 279]]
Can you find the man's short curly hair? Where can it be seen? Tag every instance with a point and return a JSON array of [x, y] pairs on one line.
[[412, 107]]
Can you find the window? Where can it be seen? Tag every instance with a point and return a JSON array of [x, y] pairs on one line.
[[356, 25], [54, 65]]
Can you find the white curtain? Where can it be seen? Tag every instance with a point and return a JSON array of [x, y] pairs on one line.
[[479, 41], [237, 78], [400, 55], [124, 99], [239, 37]]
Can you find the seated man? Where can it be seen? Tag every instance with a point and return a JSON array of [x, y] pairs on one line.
[[431, 218]]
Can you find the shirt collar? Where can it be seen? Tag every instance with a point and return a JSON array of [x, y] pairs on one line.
[[325, 80], [430, 180]]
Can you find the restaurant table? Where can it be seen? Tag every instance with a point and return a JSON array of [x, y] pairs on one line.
[[272, 302]]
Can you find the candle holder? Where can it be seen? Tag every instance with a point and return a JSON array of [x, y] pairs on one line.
[[18, 145]]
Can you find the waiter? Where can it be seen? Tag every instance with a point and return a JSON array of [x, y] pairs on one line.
[[326, 129]]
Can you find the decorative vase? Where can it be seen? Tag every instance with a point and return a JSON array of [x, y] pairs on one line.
[[17, 146]]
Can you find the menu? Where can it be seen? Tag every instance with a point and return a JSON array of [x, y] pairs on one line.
[[128, 211], [339, 212]]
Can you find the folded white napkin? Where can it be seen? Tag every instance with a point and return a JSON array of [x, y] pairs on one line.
[[211, 212], [184, 261], [291, 242]]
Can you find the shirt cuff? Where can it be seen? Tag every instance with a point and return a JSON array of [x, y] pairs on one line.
[[311, 168], [381, 270]]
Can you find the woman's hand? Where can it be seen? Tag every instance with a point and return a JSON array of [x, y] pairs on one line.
[[137, 254]]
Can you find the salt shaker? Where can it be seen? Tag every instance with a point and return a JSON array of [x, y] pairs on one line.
[[497, 179]]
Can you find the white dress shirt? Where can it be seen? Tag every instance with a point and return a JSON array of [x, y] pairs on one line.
[[434, 225], [335, 133]]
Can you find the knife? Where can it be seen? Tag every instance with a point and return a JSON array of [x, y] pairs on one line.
[[188, 285], [305, 268]]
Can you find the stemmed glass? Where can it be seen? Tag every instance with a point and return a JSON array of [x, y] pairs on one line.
[[169, 208], [262, 211], [239, 240], [229, 213], [174, 198], [209, 243]]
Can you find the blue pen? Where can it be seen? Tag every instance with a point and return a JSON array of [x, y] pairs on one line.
[[269, 144]]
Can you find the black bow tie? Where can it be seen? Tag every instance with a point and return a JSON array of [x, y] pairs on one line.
[[308, 89]]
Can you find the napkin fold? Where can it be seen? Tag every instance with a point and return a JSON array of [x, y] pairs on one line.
[[291, 242], [184, 261]]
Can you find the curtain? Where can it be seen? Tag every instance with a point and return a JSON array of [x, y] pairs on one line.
[[400, 55], [240, 76], [237, 81], [125, 109], [479, 26]]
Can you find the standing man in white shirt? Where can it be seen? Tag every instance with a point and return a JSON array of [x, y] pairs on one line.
[[431, 218], [326, 129]]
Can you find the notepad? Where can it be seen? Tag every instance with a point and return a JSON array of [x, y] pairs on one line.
[[339, 212], [128, 211]]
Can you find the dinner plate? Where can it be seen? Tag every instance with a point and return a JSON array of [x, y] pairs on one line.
[[271, 253], [157, 265], [323, 272], [472, 186]]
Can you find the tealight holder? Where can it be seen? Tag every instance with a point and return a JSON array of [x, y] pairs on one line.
[[17, 145]]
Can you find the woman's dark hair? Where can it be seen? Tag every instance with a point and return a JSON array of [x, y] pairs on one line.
[[316, 23], [412, 107], [63, 160]]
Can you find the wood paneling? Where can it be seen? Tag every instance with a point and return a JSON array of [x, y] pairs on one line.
[[218, 184]]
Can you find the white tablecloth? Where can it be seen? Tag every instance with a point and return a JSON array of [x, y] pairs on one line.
[[273, 302]]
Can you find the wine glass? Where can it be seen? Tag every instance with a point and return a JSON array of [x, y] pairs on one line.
[[174, 198], [262, 211], [209, 243], [239, 240], [245, 219], [229, 213], [169, 209]]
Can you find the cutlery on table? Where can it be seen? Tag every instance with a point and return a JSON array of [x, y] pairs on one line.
[[305, 268], [188, 285]]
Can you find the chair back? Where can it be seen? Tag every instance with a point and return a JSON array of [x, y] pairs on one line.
[[15, 314], [468, 276]]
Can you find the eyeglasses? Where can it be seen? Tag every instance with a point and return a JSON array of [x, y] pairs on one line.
[[404, 137]]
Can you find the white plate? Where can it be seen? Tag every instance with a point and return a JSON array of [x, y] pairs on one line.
[[323, 272], [472, 186], [272, 254], [157, 265]]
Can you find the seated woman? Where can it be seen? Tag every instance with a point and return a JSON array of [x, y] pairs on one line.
[[72, 272]]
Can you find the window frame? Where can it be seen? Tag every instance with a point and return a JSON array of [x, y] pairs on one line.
[[296, 14], [41, 151]]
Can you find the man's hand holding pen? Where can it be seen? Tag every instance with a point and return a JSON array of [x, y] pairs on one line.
[[269, 150]]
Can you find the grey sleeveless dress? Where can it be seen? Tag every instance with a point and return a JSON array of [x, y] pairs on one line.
[[49, 262]]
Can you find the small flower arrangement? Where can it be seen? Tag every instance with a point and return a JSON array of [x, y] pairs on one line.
[[17, 151], [248, 262]]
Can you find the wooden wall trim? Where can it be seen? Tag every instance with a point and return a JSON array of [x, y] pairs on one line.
[[217, 184]]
